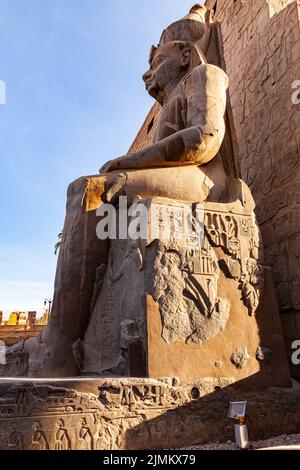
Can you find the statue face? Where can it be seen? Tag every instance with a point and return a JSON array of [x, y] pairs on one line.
[[166, 67]]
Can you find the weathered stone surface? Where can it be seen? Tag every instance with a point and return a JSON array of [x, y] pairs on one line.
[[264, 355], [179, 308], [240, 357], [133, 414], [261, 43]]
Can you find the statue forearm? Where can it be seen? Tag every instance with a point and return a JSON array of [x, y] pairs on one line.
[[189, 146]]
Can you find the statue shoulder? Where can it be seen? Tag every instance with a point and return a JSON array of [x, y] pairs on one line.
[[206, 80], [210, 70]]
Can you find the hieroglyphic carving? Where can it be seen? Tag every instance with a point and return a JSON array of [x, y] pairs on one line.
[[144, 395], [85, 439], [108, 316], [103, 436], [266, 39], [62, 439], [186, 275], [112, 426], [158, 433], [39, 439], [185, 286], [15, 439], [176, 222], [239, 238], [181, 270], [189, 277], [64, 419]]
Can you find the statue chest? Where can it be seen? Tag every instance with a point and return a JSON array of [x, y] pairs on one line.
[[172, 118]]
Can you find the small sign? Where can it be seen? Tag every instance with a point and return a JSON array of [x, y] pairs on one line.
[[237, 409]]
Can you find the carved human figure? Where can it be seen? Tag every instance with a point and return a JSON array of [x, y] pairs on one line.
[[214, 235], [128, 397], [181, 163], [15, 440], [39, 440], [62, 440], [103, 438], [85, 441]]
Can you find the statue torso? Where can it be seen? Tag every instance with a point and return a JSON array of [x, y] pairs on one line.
[[199, 99], [172, 116]]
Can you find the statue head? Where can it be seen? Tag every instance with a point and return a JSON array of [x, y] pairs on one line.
[[36, 426], [60, 424], [169, 63], [182, 46]]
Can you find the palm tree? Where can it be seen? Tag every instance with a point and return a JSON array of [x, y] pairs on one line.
[[58, 243]]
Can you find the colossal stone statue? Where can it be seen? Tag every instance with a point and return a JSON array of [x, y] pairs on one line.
[[118, 305], [161, 328]]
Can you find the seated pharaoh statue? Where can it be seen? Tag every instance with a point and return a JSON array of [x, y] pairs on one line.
[[141, 308]]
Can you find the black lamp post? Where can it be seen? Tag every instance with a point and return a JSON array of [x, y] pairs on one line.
[[49, 302]]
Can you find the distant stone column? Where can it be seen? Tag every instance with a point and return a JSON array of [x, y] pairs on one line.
[[31, 321]]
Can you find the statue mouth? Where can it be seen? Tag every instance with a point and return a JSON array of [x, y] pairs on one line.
[[151, 86]]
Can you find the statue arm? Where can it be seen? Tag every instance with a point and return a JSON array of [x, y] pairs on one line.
[[201, 140], [181, 148]]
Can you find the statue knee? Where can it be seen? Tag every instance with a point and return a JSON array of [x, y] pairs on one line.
[[75, 193], [77, 186], [209, 147]]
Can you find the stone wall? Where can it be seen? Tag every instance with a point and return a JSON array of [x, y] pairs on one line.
[[12, 334], [261, 43], [133, 414]]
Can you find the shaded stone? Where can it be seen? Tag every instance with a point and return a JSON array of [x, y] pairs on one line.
[[264, 355]]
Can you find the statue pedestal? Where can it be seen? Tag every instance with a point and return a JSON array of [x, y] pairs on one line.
[[196, 316], [132, 414], [192, 302]]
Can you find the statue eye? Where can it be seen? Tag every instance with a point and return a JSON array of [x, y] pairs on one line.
[[159, 60]]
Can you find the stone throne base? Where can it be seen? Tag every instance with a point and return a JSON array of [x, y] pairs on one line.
[[199, 321], [191, 307], [133, 414]]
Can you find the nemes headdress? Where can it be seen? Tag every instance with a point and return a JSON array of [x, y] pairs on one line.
[[193, 29]]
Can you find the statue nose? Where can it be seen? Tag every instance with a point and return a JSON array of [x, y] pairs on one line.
[[147, 75]]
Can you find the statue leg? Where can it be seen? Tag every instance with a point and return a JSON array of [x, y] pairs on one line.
[[81, 252]]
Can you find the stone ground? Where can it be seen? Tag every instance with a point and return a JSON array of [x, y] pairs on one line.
[[284, 442]]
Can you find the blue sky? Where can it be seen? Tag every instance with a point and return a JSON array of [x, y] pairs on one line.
[[74, 99]]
